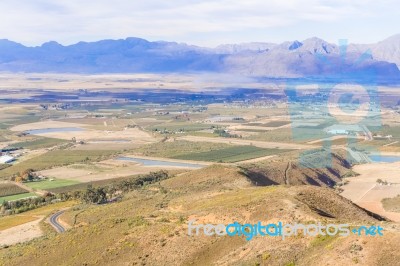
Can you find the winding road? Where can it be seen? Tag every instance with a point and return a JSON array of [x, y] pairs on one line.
[[54, 222]]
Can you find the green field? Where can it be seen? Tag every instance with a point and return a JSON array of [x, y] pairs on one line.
[[250, 130], [230, 155], [8, 189], [20, 119], [177, 148], [278, 135], [391, 130], [288, 135], [277, 123], [39, 143], [269, 124], [47, 184], [17, 197], [83, 186], [56, 158], [184, 126]]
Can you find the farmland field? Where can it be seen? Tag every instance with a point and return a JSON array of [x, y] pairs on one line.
[[250, 130], [290, 135], [8, 189], [269, 124], [177, 148], [277, 123], [184, 126], [17, 197], [38, 143], [83, 186], [47, 184], [230, 154], [391, 130], [56, 158]]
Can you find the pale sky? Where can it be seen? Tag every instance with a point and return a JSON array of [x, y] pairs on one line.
[[206, 22]]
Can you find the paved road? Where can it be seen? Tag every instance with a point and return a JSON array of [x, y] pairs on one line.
[[54, 222]]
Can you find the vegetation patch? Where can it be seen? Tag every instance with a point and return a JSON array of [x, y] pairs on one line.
[[56, 158], [278, 135], [178, 148], [32, 215], [269, 124], [230, 154], [322, 240], [391, 130], [179, 127], [17, 197], [49, 184], [392, 204], [277, 123], [83, 186], [38, 143], [8, 189]]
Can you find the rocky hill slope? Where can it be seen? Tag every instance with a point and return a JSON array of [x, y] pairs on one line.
[[150, 227]]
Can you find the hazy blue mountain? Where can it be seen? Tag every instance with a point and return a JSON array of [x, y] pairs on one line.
[[388, 50], [311, 57]]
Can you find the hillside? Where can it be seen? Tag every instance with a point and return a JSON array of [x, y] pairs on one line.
[[149, 227], [285, 171]]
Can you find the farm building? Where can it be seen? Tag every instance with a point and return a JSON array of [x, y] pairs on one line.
[[6, 159]]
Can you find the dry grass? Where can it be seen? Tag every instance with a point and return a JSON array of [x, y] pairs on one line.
[[391, 204], [11, 221]]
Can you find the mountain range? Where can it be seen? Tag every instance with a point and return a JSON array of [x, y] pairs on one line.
[[308, 58]]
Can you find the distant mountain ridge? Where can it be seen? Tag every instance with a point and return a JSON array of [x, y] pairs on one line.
[[135, 55]]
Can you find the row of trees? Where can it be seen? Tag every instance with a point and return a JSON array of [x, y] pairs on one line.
[[23, 205], [25, 176], [100, 195], [94, 195], [225, 134]]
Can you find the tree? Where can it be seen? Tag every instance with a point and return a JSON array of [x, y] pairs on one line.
[[95, 195], [28, 175]]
